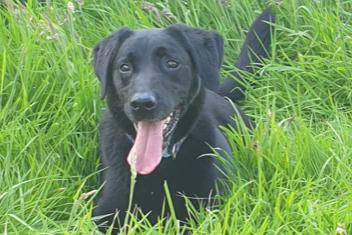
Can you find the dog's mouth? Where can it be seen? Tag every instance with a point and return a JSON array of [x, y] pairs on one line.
[[152, 138], [170, 123]]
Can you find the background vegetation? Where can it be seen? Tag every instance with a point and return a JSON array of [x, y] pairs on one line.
[[294, 174]]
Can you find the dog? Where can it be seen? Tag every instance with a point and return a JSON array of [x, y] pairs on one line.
[[165, 105]]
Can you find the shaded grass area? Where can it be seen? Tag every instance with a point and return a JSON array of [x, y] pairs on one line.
[[293, 175]]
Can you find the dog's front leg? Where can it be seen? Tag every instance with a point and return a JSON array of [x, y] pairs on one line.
[[113, 201]]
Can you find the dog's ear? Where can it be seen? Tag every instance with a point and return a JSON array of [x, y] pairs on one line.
[[104, 53], [206, 49]]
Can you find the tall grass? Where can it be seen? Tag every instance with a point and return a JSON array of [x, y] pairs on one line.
[[293, 175]]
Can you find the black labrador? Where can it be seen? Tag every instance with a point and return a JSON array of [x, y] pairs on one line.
[[165, 106]]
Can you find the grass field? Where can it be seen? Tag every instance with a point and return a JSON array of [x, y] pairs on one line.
[[294, 174]]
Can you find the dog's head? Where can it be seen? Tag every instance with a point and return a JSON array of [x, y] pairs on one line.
[[153, 76]]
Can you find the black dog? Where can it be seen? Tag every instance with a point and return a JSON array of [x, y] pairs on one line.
[[165, 107]]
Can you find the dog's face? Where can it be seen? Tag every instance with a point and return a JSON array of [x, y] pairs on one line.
[[154, 76]]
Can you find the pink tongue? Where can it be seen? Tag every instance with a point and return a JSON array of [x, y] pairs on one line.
[[146, 152]]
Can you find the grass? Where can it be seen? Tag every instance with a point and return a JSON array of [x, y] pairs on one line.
[[294, 175]]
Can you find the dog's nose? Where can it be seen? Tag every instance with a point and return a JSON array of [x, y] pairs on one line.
[[143, 100]]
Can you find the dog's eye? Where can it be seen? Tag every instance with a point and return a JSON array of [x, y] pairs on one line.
[[125, 68], [171, 64]]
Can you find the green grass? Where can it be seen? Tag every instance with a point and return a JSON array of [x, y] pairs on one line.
[[294, 175]]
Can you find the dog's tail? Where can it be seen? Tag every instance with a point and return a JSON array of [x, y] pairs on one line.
[[256, 48]]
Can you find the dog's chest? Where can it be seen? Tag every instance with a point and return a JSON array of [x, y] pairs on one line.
[[187, 174]]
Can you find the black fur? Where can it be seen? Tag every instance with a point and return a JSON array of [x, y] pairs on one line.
[[194, 85], [255, 49]]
